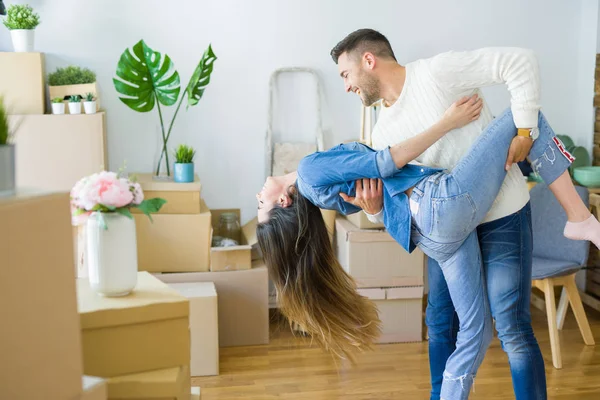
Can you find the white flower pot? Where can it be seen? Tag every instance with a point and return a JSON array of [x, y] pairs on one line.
[[90, 107], [111, 254], [23, 40], [58, 108], [75, 108]]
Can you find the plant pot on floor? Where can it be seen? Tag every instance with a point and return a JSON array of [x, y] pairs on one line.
[[58, 108], [111, 253], [90, 107], [183, 173], [74, 108], [23, 40], [7, 170]]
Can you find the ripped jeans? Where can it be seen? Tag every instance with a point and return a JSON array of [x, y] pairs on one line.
[[446, 210]]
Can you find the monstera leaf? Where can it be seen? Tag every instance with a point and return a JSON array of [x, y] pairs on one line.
[[144, 76], [200, 78]]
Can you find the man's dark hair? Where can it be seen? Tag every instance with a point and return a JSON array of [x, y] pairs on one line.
[[364, 40]]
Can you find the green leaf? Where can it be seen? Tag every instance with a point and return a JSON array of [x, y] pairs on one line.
[[125, 212], [145, 76], [200, 78], [150, 206]]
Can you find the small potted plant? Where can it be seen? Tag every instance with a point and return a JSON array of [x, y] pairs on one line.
[[22, 21], [184, 164], [72, 80], [7, 154], [58, 106], [90, 103], [75, 104]]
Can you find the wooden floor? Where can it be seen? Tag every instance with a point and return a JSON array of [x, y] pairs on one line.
[[290, 368]]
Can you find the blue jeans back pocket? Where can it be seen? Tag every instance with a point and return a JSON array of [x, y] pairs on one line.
[[452, 217]]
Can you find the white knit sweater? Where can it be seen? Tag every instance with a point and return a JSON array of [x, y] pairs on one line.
[[433, 84]]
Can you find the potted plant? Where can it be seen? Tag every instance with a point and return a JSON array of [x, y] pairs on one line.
[[72, 80], [90, 103], [58, 106], [22, 21], [102, 203], [7, 154], [183, 169], [75, 104], [146, 78]]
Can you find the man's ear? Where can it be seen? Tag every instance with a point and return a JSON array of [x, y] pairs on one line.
[[369, 60], [285, 201]]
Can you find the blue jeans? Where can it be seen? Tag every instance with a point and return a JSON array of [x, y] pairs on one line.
[[447, 208], [506, 246]]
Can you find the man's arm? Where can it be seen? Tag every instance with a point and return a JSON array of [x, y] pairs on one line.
[[516, 67]]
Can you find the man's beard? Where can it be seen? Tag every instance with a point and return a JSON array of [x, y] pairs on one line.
[[369, 90]]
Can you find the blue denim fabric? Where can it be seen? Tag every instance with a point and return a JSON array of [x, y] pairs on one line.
[[506, 246]]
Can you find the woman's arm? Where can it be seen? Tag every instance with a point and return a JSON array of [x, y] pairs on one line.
[[342, 165], [459, 114]]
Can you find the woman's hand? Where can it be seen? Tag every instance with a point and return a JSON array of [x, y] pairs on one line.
[[463, 111]]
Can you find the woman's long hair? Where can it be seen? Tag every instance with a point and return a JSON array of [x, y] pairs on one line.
[[312, 288]]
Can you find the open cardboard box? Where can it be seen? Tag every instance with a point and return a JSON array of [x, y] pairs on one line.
[[234, 258]]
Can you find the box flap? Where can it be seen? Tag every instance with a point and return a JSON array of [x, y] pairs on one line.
[[195, 289], [164, 383], [148, 183], [354, 234], [372, 293], [151, 300], [409, 292], [249, 231]]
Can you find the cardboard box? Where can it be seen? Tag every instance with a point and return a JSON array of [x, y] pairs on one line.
[[53, 152], [204, 326], [182, 198], [22, 82], [375, 259], [165, 384], [329, 218], [233, 258], [174, 242], [242, 302], [146, 330], [66, 91], [361, 221], [40, 338], [94, 388], [400, 311]]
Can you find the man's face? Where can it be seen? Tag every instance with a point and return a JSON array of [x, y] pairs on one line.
[[359, 78]]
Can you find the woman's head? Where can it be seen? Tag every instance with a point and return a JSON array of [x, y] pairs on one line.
[[312, 288]]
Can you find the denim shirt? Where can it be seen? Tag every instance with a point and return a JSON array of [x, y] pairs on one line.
[[322, 176]]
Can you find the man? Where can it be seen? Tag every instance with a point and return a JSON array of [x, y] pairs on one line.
[[413, 98]]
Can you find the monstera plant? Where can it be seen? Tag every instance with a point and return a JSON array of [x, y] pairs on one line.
[[146, 78]]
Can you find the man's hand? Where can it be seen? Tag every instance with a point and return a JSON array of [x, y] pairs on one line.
[[369, 195], [518, 151]]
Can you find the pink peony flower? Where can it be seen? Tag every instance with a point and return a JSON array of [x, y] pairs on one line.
[[138, 194], [103, 188]]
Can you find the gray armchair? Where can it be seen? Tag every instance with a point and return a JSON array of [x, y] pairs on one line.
[[556, 260]]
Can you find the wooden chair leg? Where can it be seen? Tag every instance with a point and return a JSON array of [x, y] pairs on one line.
[[552, 325], [563, 306], [575, 300]]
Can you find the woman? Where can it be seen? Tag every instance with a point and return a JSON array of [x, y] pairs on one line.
[[425, 207]]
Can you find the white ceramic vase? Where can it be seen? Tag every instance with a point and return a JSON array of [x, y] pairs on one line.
[[74, 108], [23, 40], [111, 254]]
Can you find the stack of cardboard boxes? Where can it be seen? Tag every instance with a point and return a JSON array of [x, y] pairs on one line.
[[385, 273], [40, 338], [176, 248], [140, 343]]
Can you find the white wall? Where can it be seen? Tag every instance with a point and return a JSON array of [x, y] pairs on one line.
[[252, 38]]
